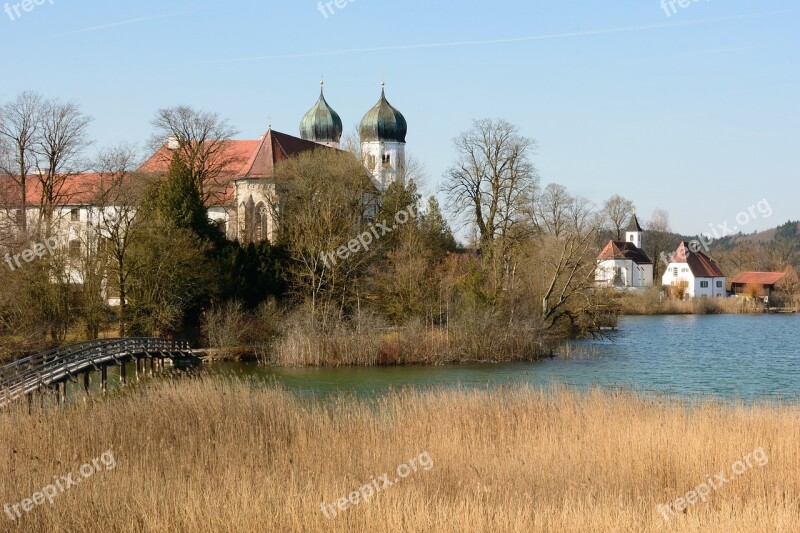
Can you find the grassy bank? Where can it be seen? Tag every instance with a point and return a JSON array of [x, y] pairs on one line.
[[214, 455], [651, 302], [369, 340]]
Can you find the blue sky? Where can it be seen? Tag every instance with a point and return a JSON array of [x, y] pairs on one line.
[[696, 112]]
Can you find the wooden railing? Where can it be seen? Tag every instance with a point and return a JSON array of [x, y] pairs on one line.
[[55, 367]]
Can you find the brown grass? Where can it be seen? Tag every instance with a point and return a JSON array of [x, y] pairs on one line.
[[221, 455], [649, 302], [374, 344]]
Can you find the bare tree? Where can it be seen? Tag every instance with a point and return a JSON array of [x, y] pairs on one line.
[[582, 216], [552, 209], [20, 122], [203, 139], [659, 240], [493, 180], [616, 213], [119, 195], [326, 198], [58, 151], [569, 267]]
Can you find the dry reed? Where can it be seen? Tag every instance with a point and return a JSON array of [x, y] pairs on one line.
[[217, 454]]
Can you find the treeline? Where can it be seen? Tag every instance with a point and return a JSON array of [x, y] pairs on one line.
[[351, 278]]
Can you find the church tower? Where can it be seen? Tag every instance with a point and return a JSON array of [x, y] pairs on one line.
[[383, 143], [322, 124], [634, 232]]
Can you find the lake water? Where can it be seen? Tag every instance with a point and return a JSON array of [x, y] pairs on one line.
[[748, 357]]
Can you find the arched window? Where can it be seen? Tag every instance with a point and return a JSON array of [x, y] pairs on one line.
[[261, 218], [248, 235]]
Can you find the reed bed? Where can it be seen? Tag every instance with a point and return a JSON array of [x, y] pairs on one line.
[[220, 454]]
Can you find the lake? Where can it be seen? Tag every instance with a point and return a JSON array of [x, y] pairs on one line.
[[748, 357]]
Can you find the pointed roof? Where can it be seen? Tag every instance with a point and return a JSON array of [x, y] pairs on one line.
[[245, 159], [275, 147], [383, 123], [321, 124], [699, 263], [622, 250], [634, 224]]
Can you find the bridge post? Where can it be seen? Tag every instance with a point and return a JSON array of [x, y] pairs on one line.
[[136, 360], [63, 392], [86, 383], [152, 364], [104, 378], [123, 374], [30, 402]]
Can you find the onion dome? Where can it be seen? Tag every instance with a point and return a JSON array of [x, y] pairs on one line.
[[383, 123], [321, 124]]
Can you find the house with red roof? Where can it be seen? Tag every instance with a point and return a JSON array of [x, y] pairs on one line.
[[693, 274], [623, 264], [755, 284]]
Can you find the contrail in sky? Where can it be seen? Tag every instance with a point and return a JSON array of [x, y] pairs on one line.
[[587, 33], [129, 22]]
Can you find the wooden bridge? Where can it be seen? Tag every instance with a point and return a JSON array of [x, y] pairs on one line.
[[55, 368]]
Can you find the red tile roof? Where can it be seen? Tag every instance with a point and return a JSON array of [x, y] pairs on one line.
[[248, 159], [758, 278], [699, 263], [624, 250], [236, 152], [78, 189], [273, 148]]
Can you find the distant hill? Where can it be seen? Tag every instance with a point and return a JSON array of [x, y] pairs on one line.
[[790, 231]]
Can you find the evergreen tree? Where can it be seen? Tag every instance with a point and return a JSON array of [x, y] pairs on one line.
[[180, 203], [436, 233]]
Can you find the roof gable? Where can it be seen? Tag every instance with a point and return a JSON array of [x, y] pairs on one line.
[[622, 250], [701, 265], [273, 148]]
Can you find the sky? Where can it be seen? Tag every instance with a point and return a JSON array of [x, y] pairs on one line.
[[693, 109]]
